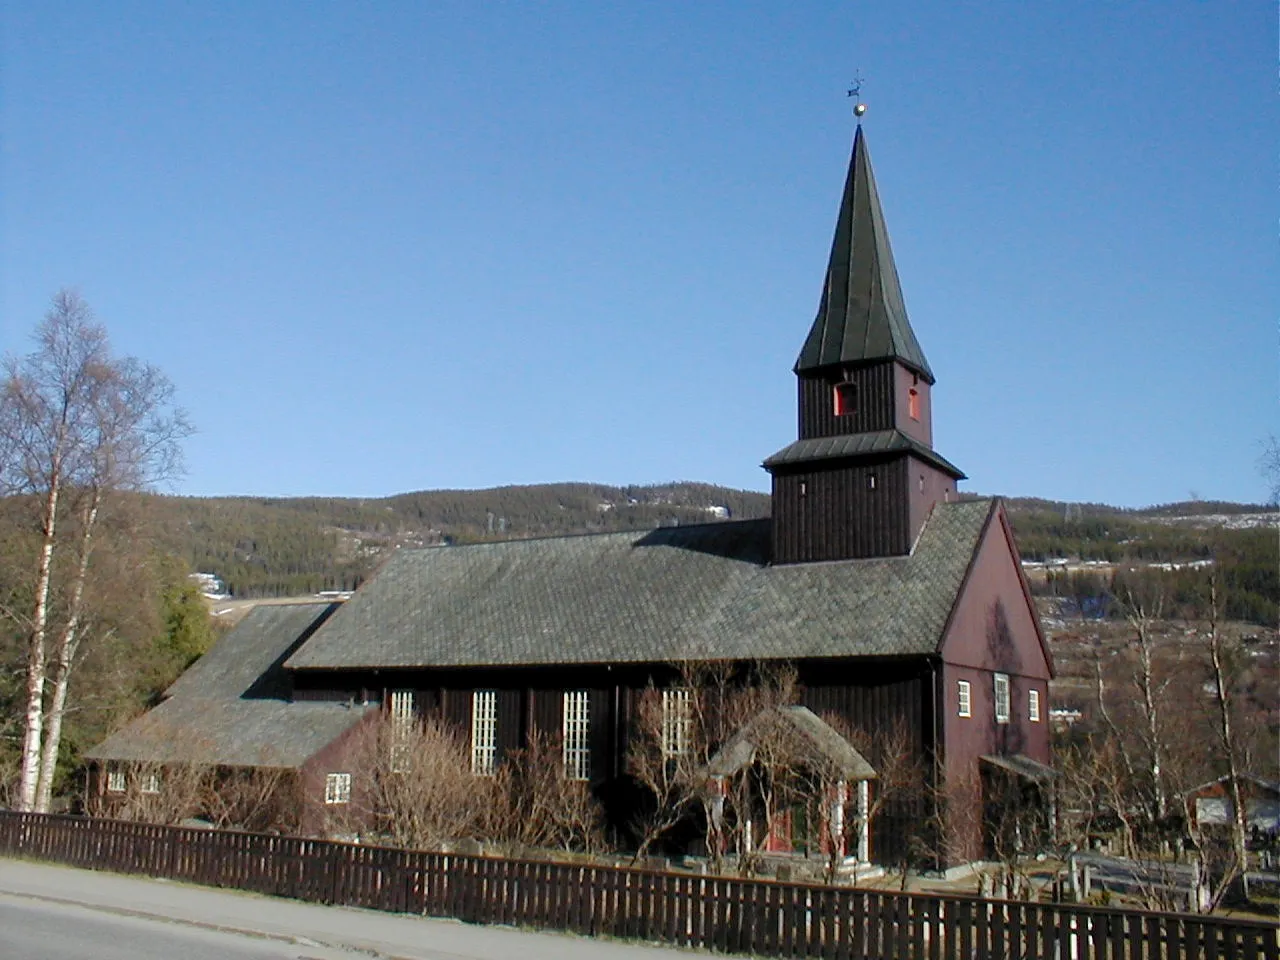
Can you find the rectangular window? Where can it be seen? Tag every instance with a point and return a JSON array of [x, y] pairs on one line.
[[484, 732], [151, 783], [965, 698], [577, 744], [913, 404], [1002, 697], [115, 780], [337, 788], [1033, 705], [402, 704], [677, 717]]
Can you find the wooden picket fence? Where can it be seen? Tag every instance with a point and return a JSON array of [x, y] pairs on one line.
[[719, 913]]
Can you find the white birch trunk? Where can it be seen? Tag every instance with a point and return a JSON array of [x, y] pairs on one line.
[[64, 659], [34, 724]]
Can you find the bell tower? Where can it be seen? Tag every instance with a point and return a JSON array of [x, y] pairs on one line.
[[863, 475]]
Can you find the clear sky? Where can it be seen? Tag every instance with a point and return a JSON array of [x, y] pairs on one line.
[[397, 246]]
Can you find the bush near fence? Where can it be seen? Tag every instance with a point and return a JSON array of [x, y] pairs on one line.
[[719, 913]]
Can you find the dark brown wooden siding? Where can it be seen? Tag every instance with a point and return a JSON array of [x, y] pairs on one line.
[[875, 387], [880, 702], [833, 513]]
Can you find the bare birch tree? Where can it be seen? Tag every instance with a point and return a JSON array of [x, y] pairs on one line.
[[76, 426]]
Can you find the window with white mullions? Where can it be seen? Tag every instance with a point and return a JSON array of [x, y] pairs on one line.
[[115, 780], [402, 714], [484, 732], [577, 742], [337, 788], [151, 783], [965, 697], [1033, 705], [1002, 697], [677, 719]]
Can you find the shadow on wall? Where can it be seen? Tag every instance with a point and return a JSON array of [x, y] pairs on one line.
[[1004, 657]]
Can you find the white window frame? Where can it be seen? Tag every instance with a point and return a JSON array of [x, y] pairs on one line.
[[403, 707], [964, 698], [1033, 705], [116, 782], [484, 732], [677, 721], [577, 735], [150, 783], [337, 788], [1000, 690]]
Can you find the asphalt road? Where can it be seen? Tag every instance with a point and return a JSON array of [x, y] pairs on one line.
[[60, 913], [34, 930]]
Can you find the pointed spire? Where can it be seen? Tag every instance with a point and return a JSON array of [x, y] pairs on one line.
[[862, 315]]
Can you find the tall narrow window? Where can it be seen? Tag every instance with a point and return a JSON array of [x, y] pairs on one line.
[[1002, 697], [677, 717], [846, 399], [484, 732], [401, 729], [913, 404], [577, 743], [337, 788], [965, 698], [1033, 705]]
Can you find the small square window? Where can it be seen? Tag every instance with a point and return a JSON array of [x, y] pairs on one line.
[[151, 783], [1002, 697], [115, 780], [337, 788], [1033, 705], [964, 698]]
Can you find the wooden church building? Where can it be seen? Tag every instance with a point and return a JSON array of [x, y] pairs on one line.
[[900, 604]]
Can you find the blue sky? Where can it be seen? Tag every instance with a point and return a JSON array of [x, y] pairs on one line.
[[389, 247]]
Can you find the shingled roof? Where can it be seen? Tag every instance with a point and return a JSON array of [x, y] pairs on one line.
[[666, 595], [229, 708], [862, 315], [856, 444]]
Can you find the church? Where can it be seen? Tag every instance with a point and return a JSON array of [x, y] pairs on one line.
[[899, 603]]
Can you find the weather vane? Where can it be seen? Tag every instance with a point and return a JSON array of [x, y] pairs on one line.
[[855, 91]]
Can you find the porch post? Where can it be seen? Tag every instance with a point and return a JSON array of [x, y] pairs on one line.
[[864, 828]]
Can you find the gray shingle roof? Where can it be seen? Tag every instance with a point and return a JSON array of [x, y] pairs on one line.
[[808, 737], [858, 444], [862, 315], [228, 708], [666, 595]]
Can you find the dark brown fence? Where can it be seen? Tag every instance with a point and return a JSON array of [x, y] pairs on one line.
[[719, 913]]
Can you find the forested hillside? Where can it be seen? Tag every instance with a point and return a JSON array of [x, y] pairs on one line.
[[286, 547]]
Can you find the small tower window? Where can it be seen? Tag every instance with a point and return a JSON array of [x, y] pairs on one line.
[[871, 481], [804, 488], [920, 483], [846, 401], [913, 404]]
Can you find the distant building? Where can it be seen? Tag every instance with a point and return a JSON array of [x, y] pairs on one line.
[[900, 605]]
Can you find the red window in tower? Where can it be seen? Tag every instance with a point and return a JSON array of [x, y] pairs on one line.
[[846, 399], [913, 404]]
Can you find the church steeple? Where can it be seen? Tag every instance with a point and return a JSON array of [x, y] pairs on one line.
[[862, 315], [863, 476]]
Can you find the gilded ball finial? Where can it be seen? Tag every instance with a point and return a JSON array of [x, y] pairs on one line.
[[855, 92]]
